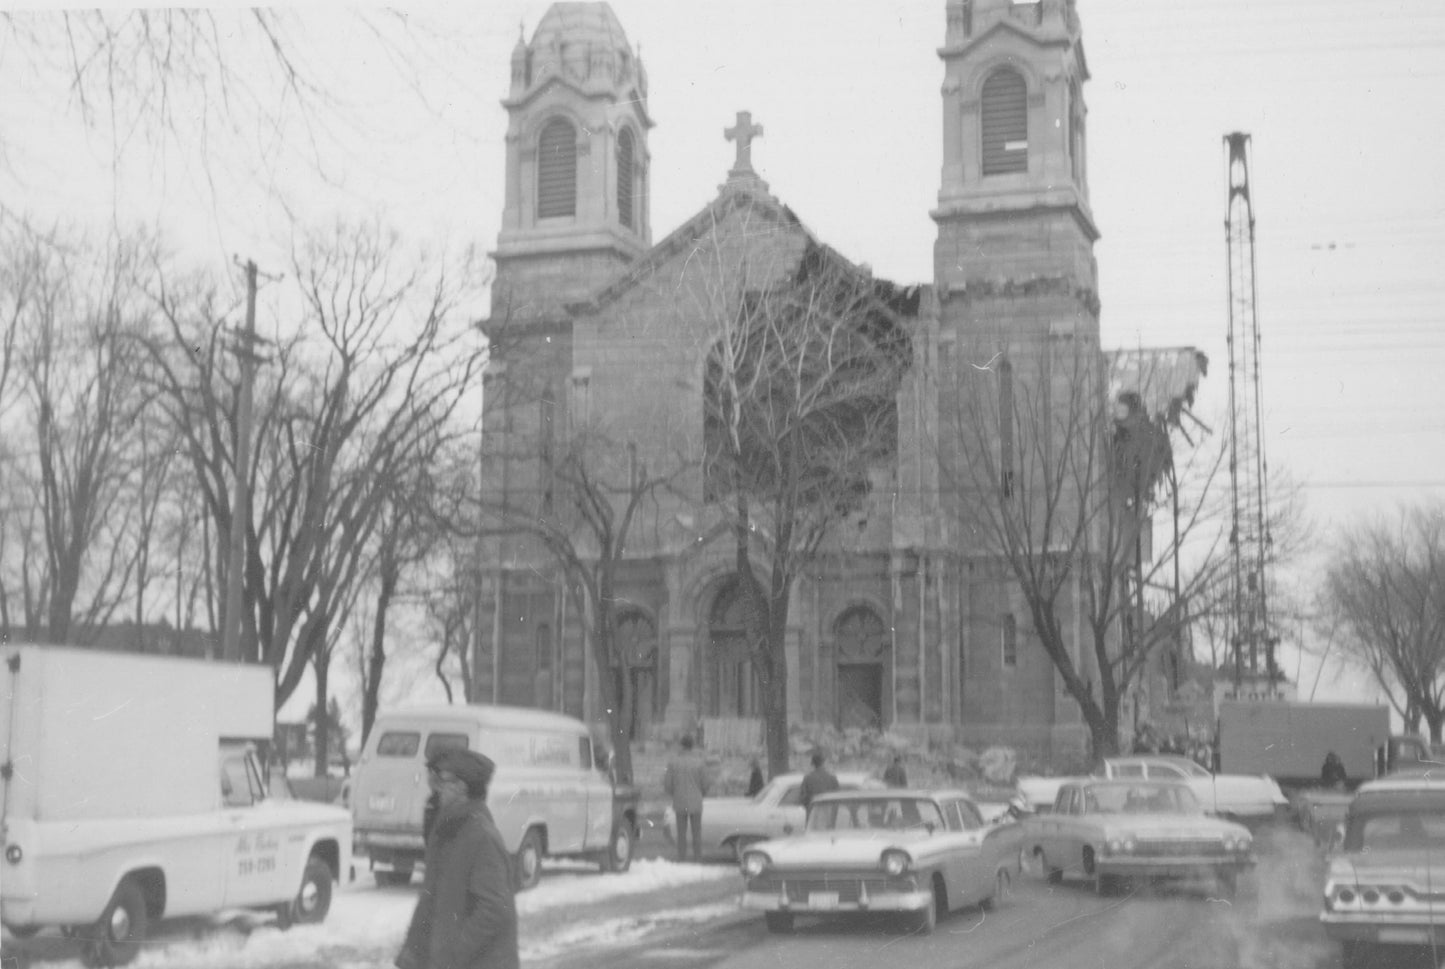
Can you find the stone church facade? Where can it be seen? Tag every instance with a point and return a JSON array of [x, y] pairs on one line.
[[903, 620]]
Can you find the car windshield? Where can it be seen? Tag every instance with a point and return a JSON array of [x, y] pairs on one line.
[[1402, 829], [1140, 799], [875, 813]]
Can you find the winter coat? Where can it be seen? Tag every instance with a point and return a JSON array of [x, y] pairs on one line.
[[686, 781], [755, 782], [466, 916], [819, 780], [895, 775]]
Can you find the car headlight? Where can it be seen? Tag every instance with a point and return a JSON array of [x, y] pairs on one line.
[[755, 863], [1237, 842], [894, 862]]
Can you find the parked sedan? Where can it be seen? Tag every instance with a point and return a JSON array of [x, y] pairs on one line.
[[1245, 797], [730, 824], [1383, 886], [920, 853], [1109, 831]]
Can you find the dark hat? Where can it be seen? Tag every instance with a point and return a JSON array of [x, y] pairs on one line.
[[473, 769]]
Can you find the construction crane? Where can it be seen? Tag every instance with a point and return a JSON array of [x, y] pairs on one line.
[[1251, 635]]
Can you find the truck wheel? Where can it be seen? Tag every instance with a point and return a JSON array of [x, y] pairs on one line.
[[24, 931], [115, 938], [313, 899], [529, 860], [619, 848]]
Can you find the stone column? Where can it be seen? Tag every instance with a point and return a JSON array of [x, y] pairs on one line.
[[677, 634]]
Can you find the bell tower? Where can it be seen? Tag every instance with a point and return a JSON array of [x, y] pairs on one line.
[[577, 174], [1013, 204]]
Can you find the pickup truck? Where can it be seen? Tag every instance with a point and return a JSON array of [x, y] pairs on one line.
[[131, 792]]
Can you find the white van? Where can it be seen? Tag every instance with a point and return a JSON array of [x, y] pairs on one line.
[[552, 795]]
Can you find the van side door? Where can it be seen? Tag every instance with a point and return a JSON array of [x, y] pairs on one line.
[[599, 795], [559, 790], [256, 872]]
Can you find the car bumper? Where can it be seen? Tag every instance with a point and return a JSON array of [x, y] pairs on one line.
[[915, 901], [1388, 930], [1183, 867]]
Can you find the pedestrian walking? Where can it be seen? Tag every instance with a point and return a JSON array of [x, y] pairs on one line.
[[755, 780], [466, 915], [896, 775], [819, 780], [686, 782], [1332, 773]]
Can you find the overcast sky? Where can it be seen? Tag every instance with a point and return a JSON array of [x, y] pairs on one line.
[[1345, 102]]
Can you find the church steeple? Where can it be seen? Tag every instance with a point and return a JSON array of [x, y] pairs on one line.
[[577, 161], [1014, 148]]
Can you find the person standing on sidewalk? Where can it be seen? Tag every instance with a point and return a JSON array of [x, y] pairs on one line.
[[819, 780], [686, 782], [896, 775], [466, 915]]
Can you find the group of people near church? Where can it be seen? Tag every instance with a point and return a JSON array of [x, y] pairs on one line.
[[687, 782]]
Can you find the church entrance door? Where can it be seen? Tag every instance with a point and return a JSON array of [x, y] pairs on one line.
[[863, 647], [729, 685], [860, 695], [637, 647]]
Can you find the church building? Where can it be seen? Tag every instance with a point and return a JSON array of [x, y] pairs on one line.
[[904, 619]]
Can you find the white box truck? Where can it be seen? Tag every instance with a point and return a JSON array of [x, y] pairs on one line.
[[131, 792]]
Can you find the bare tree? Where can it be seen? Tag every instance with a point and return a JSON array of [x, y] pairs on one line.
[[372, 384], [1065, 487], [79, 362], [799, 404], [1385, 598]]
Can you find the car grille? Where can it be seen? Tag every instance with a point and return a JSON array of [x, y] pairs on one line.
[[849, 887], [1179, 848]]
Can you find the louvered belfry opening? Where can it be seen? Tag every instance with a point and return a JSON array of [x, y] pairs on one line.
[[1005, 123], [557, 170], [624, 178]]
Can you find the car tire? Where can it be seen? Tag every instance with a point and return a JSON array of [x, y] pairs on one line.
[[313, 899], [619, 847], [1002, 890], [24, 931], [1052, 875], [529, 860], [390, 878], [779, 922], [115, 938], [926, 920]]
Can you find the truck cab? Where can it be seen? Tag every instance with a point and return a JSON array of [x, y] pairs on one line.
[[132, 792]]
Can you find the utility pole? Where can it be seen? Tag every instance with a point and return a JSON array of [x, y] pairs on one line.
[[243, 345]]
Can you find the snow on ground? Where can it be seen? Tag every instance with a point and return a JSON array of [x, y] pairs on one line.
[[366, 923]]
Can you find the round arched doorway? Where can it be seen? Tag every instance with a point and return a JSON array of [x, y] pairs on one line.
[[729, 686], [862, 648], [636, 639]]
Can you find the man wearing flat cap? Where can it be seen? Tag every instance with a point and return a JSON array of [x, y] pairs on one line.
[[466, 917]]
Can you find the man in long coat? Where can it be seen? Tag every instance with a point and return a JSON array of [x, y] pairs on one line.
[[466, 916]]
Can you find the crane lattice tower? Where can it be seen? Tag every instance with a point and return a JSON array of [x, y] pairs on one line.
[[1251, 635]]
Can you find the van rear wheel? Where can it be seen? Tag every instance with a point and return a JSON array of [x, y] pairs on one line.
[[529, 860], [115, 938], [619, 847], [313, 899]]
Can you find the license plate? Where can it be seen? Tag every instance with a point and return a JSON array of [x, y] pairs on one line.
[[1405, 936], [381, 802], [823, 901]]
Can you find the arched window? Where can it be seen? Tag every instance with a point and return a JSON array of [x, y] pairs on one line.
[[557, 170], [626, 172], [1009, 641], [1076, 133], [1005, 123]]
